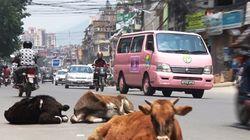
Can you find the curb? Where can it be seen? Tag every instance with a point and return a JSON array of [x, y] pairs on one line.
[[225, 84]]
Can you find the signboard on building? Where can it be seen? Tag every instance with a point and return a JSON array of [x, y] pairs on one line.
[[214, 24], [232, 19], [56, 62], [195, 22], [247, 16]]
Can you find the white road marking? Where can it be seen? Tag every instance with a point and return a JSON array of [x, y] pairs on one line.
[[80, 135]]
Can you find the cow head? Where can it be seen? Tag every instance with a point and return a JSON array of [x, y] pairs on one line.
[[126, 105], [162, 113]]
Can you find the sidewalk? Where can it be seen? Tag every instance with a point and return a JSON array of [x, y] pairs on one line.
[[225, 84]]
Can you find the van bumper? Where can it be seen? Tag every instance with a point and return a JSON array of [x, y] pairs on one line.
[[181, 81]]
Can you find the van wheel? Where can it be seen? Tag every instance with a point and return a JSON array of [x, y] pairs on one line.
[[198, 93], [167, 93], [147, 89], [123, 88]]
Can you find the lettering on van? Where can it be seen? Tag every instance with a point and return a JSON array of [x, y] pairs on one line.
[[134, 64], [187, 58]]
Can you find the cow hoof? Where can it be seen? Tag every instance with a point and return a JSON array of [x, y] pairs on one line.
[[65, 119]]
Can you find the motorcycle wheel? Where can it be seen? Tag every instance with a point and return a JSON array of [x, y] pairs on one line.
[[6, 84], [242, 114], [20, 94], [96, 88], [28, 93], [102, 84]]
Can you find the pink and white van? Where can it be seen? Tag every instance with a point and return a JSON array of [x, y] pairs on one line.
[[163, 60]]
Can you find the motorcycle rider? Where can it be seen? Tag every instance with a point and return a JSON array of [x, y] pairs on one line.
[[99, 62], [25, 57], [245, 80]]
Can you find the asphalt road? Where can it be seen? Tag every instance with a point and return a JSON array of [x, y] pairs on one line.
[[212, 118]]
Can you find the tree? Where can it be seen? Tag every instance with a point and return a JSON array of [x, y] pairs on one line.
[[11, 14]]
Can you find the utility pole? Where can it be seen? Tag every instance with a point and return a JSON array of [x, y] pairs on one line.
[[70, 52]]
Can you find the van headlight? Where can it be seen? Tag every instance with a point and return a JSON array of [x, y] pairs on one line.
[[208, 70], [163, 68]]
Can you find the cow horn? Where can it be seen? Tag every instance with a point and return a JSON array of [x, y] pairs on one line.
[[149, 103], [175, 101]]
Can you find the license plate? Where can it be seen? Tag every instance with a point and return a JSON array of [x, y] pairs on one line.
[[31, 76], [187, 82]]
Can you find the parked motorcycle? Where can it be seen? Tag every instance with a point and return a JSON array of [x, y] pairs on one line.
[[101, 81], [29, 82]]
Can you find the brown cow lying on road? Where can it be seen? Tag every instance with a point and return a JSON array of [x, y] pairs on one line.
[[154, 122], [93, 107]]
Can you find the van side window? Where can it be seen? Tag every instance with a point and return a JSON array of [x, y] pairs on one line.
[[124, 45], [137, 44], [150, 43]]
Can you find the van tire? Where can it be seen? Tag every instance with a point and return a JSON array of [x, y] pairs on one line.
[[147, 89], [167, 93], [123, 88], [198, 94]]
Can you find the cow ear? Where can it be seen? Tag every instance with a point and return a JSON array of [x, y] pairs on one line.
[[182, 110], [145, 109]]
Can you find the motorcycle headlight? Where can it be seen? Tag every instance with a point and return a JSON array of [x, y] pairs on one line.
[[208, 70], [163, 68]]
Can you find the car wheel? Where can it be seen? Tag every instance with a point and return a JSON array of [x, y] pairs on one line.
[[147, 89], [167, 93], [66, 86], [198, 93], [56, 83], [123, 88]]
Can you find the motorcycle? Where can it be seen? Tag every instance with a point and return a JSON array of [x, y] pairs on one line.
[[7, 81], [29, 81], [242, 102], [100, 82]]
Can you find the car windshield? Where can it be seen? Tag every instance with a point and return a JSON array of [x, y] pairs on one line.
[[180, 43], [62, 72], [80, 69]]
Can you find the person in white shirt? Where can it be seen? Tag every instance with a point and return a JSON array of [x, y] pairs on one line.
[[26, 57]]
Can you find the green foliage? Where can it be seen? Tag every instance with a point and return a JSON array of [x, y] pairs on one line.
[[11, 14]]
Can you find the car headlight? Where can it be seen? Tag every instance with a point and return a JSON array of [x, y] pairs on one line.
[[163, 68], [208, 70]]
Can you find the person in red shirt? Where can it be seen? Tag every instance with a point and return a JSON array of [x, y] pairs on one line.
[[6, 72], [99, 62]]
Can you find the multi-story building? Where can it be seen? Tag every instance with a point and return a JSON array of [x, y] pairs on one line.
[[97, 34], [50, 40]]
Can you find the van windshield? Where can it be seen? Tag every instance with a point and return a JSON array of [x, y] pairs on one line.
[[180, 43]]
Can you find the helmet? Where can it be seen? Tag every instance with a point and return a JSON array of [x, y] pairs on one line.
[[99, 55], [27, 44]]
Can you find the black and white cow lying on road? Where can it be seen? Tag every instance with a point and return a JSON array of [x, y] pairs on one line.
[[40, 109], [93, 107]]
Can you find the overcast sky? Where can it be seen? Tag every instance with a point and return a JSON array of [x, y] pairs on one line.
[[61, 20]]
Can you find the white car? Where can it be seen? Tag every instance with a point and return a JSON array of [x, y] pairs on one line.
[[79, 75], [60, 76]]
